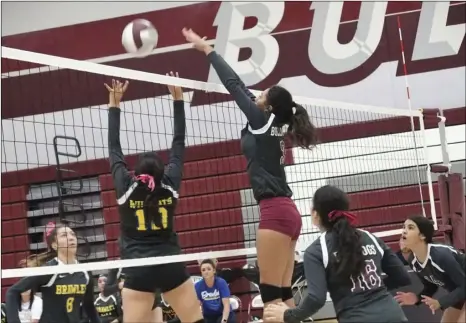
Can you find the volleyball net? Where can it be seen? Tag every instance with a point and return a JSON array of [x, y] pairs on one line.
[[55, 167]]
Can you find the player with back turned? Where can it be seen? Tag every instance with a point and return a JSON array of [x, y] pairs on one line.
[[270, 117], [348, 263], [436, 265], [62, 294], [147, 203]]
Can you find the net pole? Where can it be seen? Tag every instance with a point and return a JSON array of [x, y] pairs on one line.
[[428, 174], [411, 118]]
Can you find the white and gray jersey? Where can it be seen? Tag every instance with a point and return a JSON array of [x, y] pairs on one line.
[[444, 267], [356, 299]]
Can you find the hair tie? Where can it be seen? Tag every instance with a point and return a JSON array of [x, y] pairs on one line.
[[147, 179], [334, 215], [49, 227]]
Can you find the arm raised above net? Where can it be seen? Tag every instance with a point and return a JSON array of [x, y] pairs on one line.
[[120, 174], [174, 169], [121, 177], [242, 96]]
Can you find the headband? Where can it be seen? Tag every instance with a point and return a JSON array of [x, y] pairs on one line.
[[49, 227], [334, 215], [147, 179]]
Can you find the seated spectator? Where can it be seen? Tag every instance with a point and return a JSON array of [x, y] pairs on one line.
[[30, 307], [108, 307], [214, 294]]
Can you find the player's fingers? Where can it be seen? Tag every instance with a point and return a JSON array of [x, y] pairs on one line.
[[125, 86], [108, 87]]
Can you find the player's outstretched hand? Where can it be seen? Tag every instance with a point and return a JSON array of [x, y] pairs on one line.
[[406, 298], [115, 93], [198, 42], [275, 312], [175, 91]]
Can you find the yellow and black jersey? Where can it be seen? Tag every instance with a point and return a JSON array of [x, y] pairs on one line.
[[109, 308], [137, 227], [62, 296]]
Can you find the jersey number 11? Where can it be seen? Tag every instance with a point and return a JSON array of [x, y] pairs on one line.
[[142, 220]]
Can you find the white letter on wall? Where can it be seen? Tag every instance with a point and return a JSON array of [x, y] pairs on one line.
[[326, 54], [434, 38], [231, 37]]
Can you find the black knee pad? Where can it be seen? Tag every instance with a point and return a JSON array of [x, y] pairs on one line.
[[286, 293], [270, 292]]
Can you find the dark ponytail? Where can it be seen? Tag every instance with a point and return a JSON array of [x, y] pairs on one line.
[[151, 207], [149, 171], [350, 260], [37, 260], [331, 205], [300, 129]]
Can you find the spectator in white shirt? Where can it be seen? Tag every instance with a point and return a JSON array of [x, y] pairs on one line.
[[31, 307]]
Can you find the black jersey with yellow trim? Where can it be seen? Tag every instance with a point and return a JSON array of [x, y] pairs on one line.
[[62, 296], [108, 307], [262, 140], [444, 267], [131, 194]]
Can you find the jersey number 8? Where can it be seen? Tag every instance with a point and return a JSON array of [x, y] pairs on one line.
[[69, 304], [142, 220], [368, 279]]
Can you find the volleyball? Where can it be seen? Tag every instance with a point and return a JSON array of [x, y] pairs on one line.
[[139, 37]]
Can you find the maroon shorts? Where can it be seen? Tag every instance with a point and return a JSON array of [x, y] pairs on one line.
[[280, 214]]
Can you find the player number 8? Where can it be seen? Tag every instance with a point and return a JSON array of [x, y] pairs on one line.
[[142, 220], [69, 304]]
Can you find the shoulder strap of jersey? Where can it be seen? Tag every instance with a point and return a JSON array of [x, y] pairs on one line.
[[122, 200], [323, 246], [264, 129], [374, 239]]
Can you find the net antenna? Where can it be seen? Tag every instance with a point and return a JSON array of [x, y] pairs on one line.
[[62, 189], [413, 131]]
